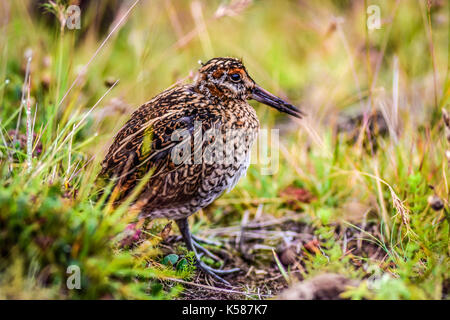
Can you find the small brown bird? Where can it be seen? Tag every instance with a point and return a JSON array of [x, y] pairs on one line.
[[196, 139]]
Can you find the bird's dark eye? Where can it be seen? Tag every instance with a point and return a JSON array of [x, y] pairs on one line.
[[235, 77]]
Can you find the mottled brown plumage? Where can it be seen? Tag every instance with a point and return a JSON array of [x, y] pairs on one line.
[[195, 117]]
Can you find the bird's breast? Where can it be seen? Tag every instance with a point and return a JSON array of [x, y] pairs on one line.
[[240, 115]]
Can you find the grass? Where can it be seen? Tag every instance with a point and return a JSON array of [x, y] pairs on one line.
[[64, 93]]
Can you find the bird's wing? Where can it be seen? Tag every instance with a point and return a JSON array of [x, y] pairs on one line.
[[150, 138]]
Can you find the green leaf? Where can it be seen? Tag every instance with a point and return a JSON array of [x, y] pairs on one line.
[[182, 264], [171, 258]]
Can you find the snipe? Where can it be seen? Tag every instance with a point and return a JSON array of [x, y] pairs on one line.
[[167, 135]]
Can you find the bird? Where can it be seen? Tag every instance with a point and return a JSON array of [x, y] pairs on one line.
[[194, 142]]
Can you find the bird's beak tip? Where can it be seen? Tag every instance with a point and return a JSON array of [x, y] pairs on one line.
[[261, 95]]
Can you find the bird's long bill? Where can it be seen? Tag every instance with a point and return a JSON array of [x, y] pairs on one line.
[[263, 96]]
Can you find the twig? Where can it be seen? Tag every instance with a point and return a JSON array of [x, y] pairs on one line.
[[259, 234], [229, 291]]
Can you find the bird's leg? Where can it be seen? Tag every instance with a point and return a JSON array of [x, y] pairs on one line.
[[186, 234]]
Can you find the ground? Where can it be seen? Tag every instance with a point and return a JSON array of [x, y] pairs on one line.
[[356, 192]]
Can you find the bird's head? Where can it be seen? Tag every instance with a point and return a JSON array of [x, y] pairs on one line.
[[227, 78]]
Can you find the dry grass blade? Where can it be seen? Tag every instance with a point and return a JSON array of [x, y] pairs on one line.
[[29, 55], [73, 131], [446, 118], [235, 8], [202, 31], [399, 206], [280, 267], [85, 67], [29, 129]]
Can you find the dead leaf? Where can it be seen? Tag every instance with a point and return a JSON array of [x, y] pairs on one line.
[[166, 231], [313, 246], [295, 195]]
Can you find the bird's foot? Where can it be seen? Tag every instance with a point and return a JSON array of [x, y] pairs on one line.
[[205, 251], [207, 269], [215, 272], [191, 244], [206, 241], [204, 267]]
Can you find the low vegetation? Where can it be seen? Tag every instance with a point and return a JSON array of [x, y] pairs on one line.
[[359, 187]]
